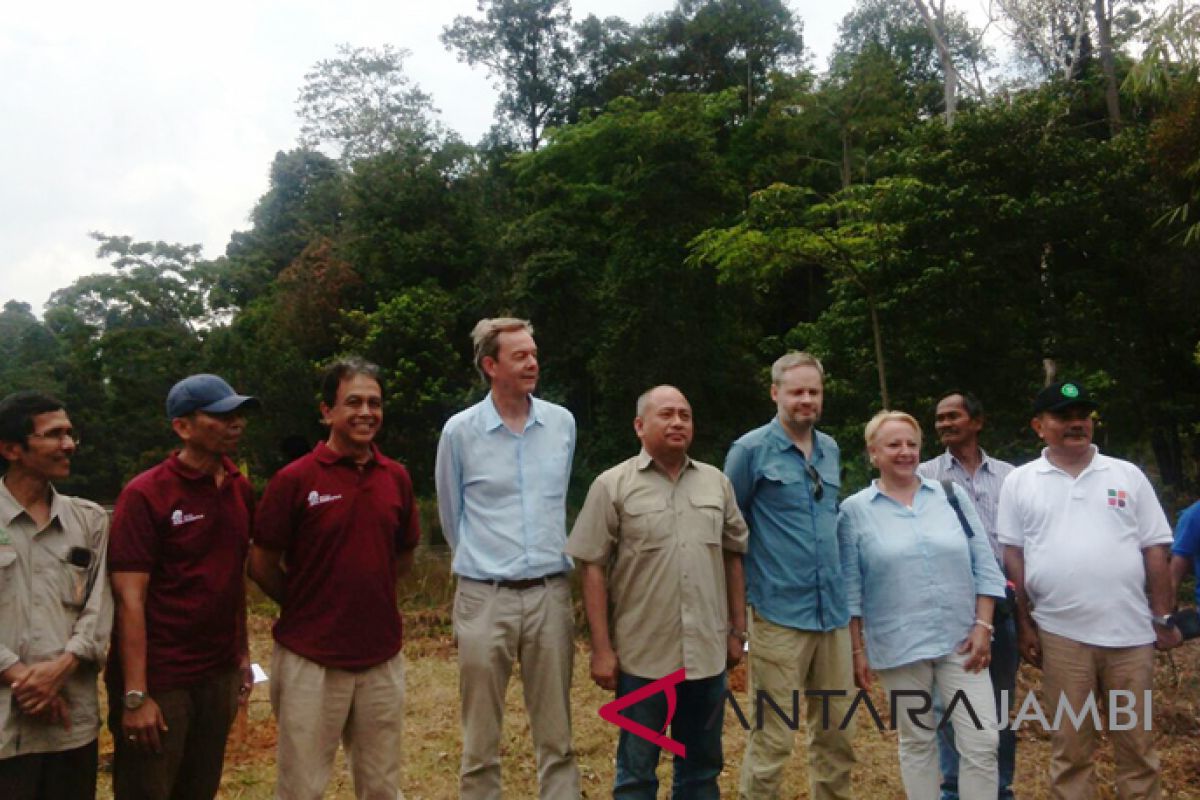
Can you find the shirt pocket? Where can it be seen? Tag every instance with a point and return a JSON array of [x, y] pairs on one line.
[[8, 575], [644, 524], [709, 510], [783, 487], [74, 583]]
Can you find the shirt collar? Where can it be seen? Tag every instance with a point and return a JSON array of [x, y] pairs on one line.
[[644, 462], [873, 490], [985, 461], [784, 442], [327, 455], [188, 473], [10, 509], [1098, 462], [492, 420]]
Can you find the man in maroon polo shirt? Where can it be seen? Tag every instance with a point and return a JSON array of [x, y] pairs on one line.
[[177, 555], [334, 531]]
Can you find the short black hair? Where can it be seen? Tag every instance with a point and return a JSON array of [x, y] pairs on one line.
[[344, 369], [972, 404], [18, 410]]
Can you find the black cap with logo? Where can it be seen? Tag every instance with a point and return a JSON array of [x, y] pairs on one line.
[[1058, 396]]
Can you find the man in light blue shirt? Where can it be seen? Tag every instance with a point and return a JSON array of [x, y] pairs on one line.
[[786, 476], [958, 419], [502, 471]]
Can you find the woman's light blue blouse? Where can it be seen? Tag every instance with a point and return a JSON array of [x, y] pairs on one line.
[[912, 574]]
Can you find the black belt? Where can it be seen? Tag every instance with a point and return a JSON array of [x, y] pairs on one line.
[[521, 585]]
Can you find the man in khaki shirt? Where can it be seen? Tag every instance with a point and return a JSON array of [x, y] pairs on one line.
[[55, 609], [661, 541]]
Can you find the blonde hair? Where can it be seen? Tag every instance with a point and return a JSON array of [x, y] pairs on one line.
[[796, 358], [879, 419], [487, 333]]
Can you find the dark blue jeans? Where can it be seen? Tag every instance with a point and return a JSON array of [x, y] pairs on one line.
[[697, 702], [1003, 669]]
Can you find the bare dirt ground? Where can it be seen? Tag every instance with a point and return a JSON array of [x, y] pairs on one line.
[[431, 742]]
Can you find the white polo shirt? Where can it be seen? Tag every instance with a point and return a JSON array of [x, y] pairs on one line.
[[1083, 539]]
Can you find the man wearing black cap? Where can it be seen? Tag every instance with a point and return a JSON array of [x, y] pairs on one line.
[[1084, 538], [179, 661]]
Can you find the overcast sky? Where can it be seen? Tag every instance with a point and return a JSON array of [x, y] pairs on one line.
[[159, 120]]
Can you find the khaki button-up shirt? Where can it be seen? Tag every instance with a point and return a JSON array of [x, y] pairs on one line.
[[50, 605], [663, 543]]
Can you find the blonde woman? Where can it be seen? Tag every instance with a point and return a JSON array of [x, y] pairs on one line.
[[921, 592]]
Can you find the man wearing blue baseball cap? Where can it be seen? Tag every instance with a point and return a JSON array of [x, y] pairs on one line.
[[179, 662], [1085, 540]]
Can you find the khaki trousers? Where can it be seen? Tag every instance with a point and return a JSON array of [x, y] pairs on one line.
[[782, 661], [317, 706], [496, 627], [1072, 671]]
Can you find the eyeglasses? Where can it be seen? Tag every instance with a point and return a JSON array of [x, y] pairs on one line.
[[814, 477], [57, 435]]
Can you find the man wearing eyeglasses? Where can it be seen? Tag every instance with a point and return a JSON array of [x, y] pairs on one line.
[[179, 662], [55, 609], [786, 477]]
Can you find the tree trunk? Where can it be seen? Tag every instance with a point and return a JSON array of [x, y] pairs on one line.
[[880, 367], [1108, 63]]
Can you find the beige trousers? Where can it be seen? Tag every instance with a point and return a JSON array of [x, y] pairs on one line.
[[782, 661], [495, 628], [1071, 671], [316, 707]]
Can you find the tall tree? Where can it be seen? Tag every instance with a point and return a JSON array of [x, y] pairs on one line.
[[525, 46], [363, 103]]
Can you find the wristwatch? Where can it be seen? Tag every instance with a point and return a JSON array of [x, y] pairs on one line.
[[742, 635], [1164, 621], [134, 699]]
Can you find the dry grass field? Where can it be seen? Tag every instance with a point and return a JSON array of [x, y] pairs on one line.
[[431, 743]]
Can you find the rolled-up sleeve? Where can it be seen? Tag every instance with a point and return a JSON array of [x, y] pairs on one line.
[[448, 482], [736, 535], [848, 538], [93, 628]]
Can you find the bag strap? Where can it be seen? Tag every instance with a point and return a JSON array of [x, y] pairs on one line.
[[952, 496]]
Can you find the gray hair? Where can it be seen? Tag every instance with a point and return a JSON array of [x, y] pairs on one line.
[[486, 334]]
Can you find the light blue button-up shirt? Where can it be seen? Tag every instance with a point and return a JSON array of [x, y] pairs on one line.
[[793, 570], [912, 574], [502, 495]]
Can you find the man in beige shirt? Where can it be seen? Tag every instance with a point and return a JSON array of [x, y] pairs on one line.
[[661, 541], [55, 609]]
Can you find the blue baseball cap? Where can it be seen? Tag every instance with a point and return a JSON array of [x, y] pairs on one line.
[[207, 393]]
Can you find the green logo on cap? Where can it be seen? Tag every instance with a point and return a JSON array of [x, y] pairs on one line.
[[1070, 390]]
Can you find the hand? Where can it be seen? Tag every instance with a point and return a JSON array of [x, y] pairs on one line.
[[604, 669], [247, 683], [58, 712], [142, 726], [862, 673], [42, 682], [735, 651], [1167, 638], [1028, 644], [978, 649]]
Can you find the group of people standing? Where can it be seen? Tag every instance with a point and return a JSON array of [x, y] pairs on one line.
[[684, 567]]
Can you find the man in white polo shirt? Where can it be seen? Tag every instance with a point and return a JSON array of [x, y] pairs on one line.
[[1085, 537]]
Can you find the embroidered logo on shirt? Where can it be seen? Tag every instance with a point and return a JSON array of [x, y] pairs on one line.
[[1117, 498], [179, 518], [315, 499], [4, 537]]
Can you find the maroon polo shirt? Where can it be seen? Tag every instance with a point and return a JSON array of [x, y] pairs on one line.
[[192, 537], [341, 528]]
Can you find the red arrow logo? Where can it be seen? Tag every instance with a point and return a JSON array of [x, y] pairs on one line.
[[611, 712]]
